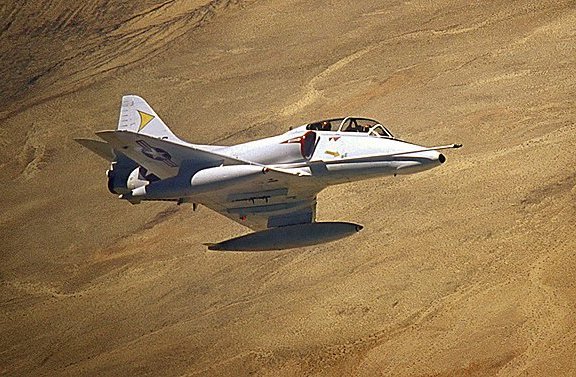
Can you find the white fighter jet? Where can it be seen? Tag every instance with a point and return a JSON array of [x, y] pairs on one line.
[[269, 185]]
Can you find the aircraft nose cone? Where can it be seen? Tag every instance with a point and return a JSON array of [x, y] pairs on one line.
[[442, 158], [359, 227]]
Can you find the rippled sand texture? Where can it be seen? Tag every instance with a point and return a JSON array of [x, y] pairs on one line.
[[467, 269]]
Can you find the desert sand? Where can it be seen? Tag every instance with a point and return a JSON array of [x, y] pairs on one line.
[[467, 269]]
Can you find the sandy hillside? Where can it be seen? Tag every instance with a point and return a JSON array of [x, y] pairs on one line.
[[467, 269]]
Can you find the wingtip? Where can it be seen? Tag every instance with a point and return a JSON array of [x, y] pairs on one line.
[[102, 149]]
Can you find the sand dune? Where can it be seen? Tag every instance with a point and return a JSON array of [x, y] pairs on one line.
[[467, 269]]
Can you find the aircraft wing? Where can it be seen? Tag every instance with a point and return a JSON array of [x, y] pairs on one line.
[[161, 157], [164, 158], [275, 198]]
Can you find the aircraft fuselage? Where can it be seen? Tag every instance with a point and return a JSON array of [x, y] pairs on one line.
[[339, 157]]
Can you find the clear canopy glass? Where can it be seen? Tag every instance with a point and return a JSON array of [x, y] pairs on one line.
[[351, 124]]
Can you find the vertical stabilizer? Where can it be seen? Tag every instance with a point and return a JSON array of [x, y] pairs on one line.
[[138, 117]]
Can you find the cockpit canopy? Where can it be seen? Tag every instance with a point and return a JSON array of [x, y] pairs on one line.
[[351, 124]]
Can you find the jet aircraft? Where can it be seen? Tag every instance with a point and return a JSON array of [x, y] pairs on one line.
[[269, 185]]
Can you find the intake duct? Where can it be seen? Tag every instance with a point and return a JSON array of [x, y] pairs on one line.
[[308, 144]]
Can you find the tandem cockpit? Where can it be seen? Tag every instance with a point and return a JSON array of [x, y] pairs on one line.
[[352, 124]]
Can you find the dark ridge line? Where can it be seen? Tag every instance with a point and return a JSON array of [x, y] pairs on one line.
[[205, 13]]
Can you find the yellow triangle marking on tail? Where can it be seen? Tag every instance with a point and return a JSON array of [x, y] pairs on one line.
[[145, 118]]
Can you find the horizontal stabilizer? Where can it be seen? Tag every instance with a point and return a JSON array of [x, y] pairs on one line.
[[101, 148]]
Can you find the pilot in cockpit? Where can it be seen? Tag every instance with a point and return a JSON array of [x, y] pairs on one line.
[[325, 126], [353, 128]]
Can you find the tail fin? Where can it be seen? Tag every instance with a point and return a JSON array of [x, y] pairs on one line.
[[138, 117]]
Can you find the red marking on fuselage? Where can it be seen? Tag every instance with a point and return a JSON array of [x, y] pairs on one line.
[[294, 140]]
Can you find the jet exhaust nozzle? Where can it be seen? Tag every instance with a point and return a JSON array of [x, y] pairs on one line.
[[442, 158]]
